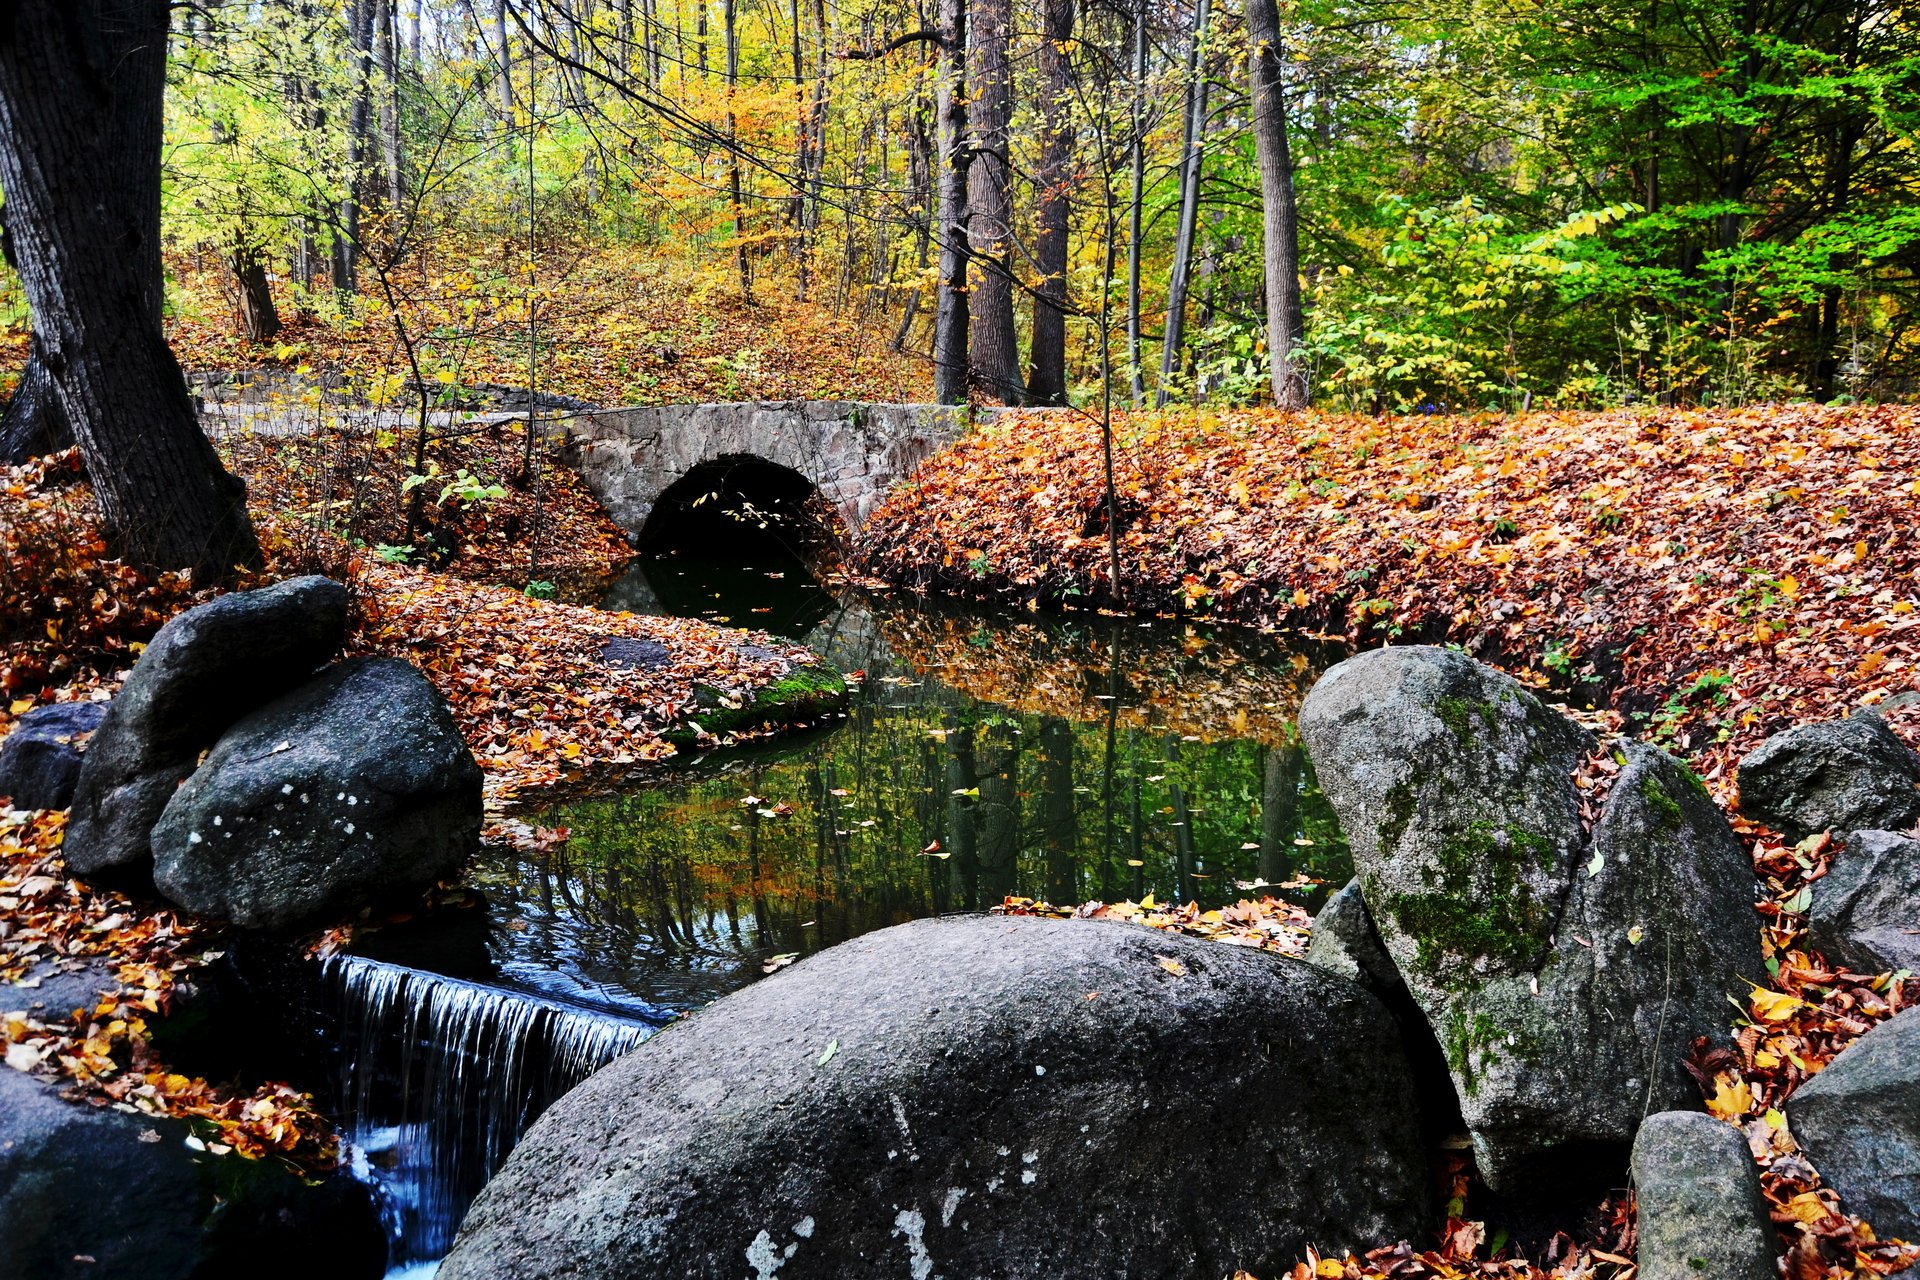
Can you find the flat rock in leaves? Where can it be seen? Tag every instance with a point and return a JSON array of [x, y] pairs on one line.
[[97, 1193], [977, 1096], [1837, 775], [1859, 1122], [1701, 1213], [40, 758], [1865, 914], [354, 789], [203, 671], [1563, 973]]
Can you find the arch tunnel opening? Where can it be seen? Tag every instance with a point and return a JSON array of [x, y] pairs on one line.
[[738, 540]]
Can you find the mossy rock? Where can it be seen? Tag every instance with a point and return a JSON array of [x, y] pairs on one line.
[[1563, 972], [803, 695]]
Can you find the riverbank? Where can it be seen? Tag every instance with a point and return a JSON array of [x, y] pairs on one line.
[[1713, 575]]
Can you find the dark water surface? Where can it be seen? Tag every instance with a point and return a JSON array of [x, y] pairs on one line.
[[983, 755]]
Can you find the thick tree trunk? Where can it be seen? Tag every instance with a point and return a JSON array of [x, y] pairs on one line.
[[993, 350], [80, 133], [953, 314], [1047, 383], [1192, 147], [1286, 321], [387, 22], [346, 230], [741, 262]]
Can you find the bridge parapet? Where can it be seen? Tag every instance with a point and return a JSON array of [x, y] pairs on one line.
[[852, 451]]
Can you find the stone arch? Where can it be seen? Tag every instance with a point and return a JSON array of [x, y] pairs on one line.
[[746, 503]]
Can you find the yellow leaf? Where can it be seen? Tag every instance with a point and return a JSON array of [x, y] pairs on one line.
[[1173, 966], [1300, 597], [1774, 1006], [1732, 1097]]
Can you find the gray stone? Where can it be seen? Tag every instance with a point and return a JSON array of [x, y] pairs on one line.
[[1838, 775], [354, 789], [1865, 914], [203, 671], [1563, 973], [97, 1193], [852, 452], [1859, 1122], [1701, 1214], [51, 990], [1345, 942], [40, 757], [977, 1096]]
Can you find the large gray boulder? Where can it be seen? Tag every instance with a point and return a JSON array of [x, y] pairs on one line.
[[1865, 914], [203, 671], [91, 1193], [1859, 1122], [1701, 1210], [40, 756], [1838, 775], [977, 1096], [354, 789], [1563, 972]]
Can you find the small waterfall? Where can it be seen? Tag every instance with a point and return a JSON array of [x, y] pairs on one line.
[[439, 1078]]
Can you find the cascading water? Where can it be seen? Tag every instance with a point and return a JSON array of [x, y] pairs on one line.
[[439, 1078]]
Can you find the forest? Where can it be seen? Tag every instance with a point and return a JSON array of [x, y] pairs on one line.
[[1464, 205]]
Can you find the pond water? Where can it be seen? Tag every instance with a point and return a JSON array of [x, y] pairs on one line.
[[983, 755]]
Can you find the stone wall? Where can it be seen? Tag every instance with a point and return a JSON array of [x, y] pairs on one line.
[[853, 452]]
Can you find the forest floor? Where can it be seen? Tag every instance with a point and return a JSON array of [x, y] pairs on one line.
[[1713, 576]]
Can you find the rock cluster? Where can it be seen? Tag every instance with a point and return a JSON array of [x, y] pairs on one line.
[[1563, 967], [257, 784]]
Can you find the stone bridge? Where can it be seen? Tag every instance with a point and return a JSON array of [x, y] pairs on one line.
[[851, 452]]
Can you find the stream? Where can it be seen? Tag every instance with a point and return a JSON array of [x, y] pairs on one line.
[[983, 754]]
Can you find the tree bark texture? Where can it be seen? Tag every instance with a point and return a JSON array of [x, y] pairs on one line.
[[1191, 151], [1047, 383], [953, 312], [80, 133], [1286, 321], [34, 422], [993, 350]]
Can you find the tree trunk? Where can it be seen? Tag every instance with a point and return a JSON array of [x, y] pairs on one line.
[[1047, 383], [992, 350], [1279, 811], [1059, 823], [1190, 154], [1136, 199], [80, 135], [500, 52], [730, 12], [387, 22], [952, 310], [1286, 322], [346, 230], [259, 320]]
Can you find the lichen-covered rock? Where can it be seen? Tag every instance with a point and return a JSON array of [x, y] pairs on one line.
[[40, 756], [98, 1193], [203, 671], [1701, 1211], [1562, 972], [1838, 775], [1865, 914], [356, 788], [977, 1097], [1859, 1122]]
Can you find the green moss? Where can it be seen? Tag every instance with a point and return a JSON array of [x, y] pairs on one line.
[[1401, 801], [1467, 1037], [804, 693], [1458, 714], [1662, 803], [1478, 902]]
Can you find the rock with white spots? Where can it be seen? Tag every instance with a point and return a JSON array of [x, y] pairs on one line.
[[978, 1096], [353, 790]]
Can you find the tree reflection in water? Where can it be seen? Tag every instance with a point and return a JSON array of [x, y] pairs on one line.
[[983, 756]]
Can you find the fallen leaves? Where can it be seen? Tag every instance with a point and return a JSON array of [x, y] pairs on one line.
[[1268, 923]]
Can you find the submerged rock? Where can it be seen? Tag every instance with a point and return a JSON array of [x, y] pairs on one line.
[[1701, 1211], [355, 788], [1859, 1122], [203, 671], [1838, 775], [97, 1193], [1563, 973], [977, 1097], [1865, 914], [40, 758]]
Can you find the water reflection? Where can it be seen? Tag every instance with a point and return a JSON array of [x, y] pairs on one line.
[[983, 756]]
